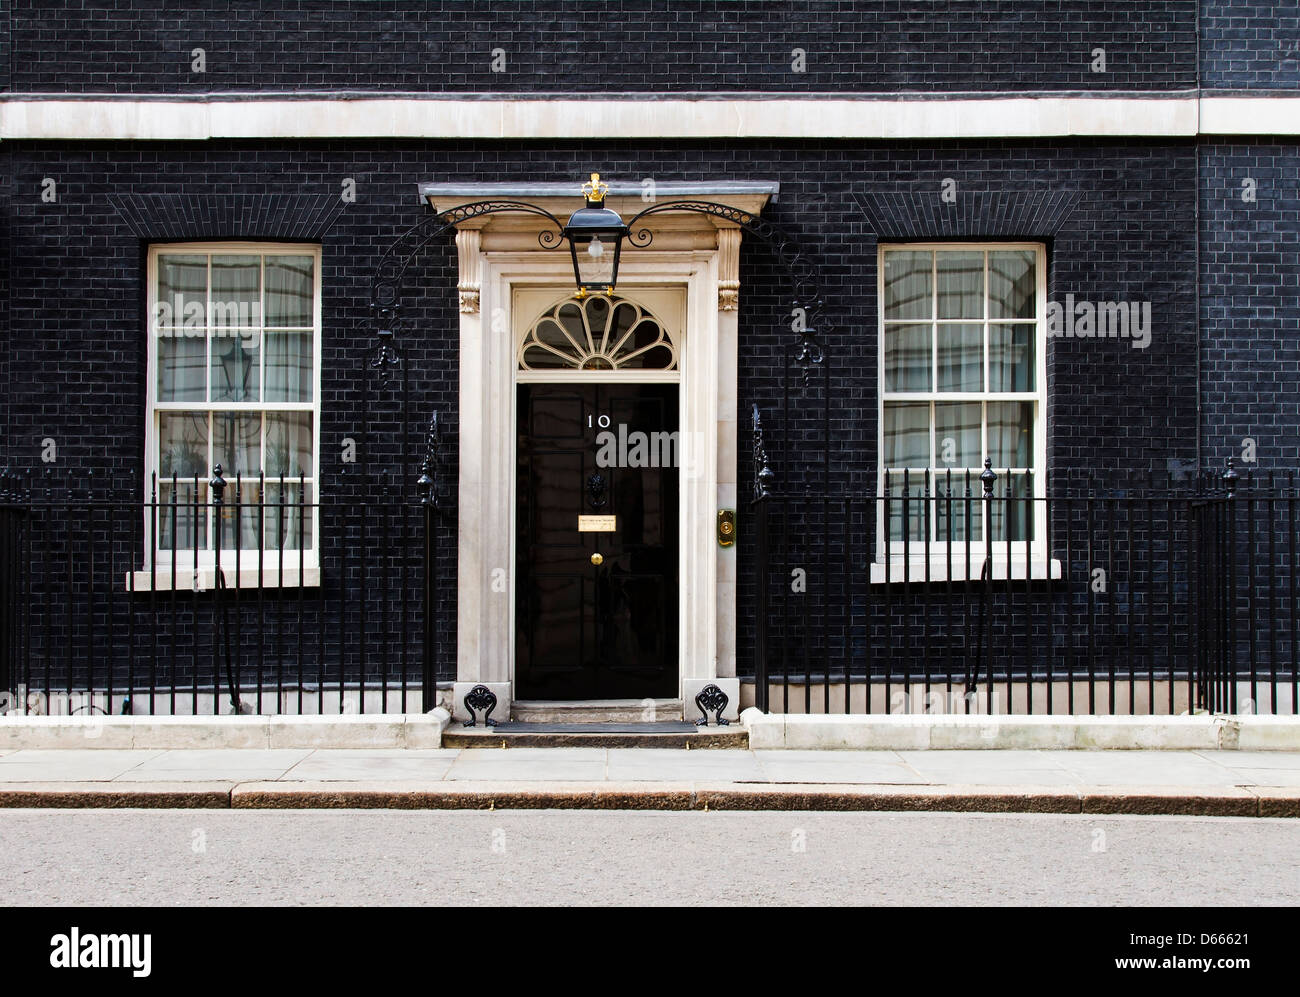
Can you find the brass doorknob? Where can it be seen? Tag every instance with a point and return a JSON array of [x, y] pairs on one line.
[[597, 560]]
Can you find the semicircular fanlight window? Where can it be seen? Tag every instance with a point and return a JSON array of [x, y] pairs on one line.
[[597, 333]]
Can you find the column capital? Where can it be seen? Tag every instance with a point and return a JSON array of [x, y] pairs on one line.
[[468, 242], [728, 269]]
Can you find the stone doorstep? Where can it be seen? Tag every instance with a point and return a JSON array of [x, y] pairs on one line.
[[426, 795], [596, 735], [594, 711]]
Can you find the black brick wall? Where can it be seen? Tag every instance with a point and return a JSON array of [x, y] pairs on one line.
[[1250, 44], [1119, 216], [78, 284], [78, 277], [132, 46], [1250, 302]]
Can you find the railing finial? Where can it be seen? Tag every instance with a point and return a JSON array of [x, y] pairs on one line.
[[1230, 477], [428, 480], [988, 478], [218, 485]]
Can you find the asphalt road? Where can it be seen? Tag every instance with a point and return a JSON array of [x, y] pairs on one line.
[[583, 857]]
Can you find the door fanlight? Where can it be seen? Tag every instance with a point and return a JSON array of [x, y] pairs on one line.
[[597, 333]]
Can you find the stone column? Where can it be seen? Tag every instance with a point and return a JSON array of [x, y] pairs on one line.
[[728, 299], [482, 597]]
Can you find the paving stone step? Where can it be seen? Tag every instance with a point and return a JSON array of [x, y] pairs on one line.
[[595, 711], [671, 734]]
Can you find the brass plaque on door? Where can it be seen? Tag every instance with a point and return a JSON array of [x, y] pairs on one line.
[[597, 524]]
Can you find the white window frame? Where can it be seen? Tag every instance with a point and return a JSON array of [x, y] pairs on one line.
[[196, 571], [910, 561]]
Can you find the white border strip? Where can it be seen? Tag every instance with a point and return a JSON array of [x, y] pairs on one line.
[[406, 117], [261, 117], [1250, 115]]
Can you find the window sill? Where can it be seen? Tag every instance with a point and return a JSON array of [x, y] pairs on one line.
[[913, 570], [203, 579]]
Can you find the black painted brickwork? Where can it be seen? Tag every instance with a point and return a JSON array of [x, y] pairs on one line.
[[1250, 44], [77, 342], [1250, 302], [77, 311], [135, 46]]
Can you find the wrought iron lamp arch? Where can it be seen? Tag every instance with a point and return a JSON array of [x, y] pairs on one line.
[[806, 300], [386, 285], [806, 314]]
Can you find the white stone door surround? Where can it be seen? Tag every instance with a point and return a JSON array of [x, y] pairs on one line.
[[500, 256]]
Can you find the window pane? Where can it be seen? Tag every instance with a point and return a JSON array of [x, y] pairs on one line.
[[288, 444], [235, 366], [908, 290], [958, 508], [572, 330], [656, 358], [957, 435], [290, 290], [907, 357], [550, 333], [961, 285], [1011, 434], [237, 443], [624, 317], [1012, 518], [961, 357], [182, 519], [182, 291], [907, 504], [244, 503], [287, 517], [907, 435], [1012, 284], [289, 366], [1011, 358], [183, 445], [536, 358], [182, 360], [235, 291]]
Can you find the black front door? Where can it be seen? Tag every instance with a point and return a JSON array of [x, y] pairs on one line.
[[596, 595]]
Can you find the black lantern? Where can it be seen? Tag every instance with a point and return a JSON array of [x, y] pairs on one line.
[[595, 235]]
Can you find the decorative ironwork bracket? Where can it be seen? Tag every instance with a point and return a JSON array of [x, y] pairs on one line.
[[712, 699], [764, 476], [806, 305], [432, 464], [386, 286], [385, 297], [13, 488], [480, 698]]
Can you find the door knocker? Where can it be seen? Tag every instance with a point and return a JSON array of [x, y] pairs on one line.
[[596, 491]]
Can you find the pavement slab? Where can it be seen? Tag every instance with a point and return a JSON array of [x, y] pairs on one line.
[[883, 767], [224, 764], [1150, 768], [378, 764], [1218, 783], [1254, 759], [75, 765], [529, 764], [672, 764], [1265, 777]]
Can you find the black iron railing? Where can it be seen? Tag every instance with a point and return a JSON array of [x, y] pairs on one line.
[[224, 594], [995, 592]]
